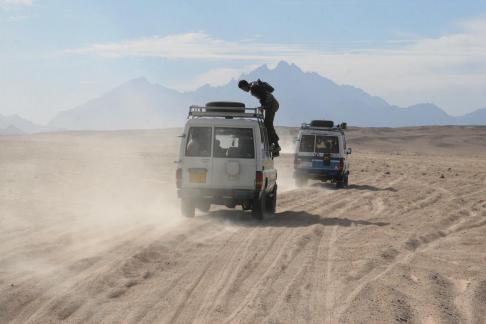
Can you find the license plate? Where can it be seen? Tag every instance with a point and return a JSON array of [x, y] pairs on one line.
[[197, 175]]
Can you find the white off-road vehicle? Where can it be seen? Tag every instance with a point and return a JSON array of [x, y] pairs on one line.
[[225, 159], [321, 153]]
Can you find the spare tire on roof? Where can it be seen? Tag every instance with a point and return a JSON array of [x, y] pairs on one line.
[[225, 104], [220, 105], [322, 123]]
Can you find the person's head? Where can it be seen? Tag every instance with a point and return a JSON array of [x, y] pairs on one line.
[[244, 85], [197, 133]]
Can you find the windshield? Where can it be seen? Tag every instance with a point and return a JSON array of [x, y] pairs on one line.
[[233, 143], [327, 144], [307, 143], [199, 142]]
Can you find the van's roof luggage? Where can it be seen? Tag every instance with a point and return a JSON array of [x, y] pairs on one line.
[[225, 106], [226, 109], [322, 123], [327, 125]]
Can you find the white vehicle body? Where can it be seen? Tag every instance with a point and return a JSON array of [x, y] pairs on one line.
[[224, 159], [321, 154]]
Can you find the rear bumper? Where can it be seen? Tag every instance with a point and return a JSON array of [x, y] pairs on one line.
[[218, 196], [317, 173]]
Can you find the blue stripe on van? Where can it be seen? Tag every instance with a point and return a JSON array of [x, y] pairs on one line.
[[320, 165]]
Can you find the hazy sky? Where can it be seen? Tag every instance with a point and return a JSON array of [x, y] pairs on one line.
[[56, 54]]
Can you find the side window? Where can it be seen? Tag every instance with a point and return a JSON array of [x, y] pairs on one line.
[[199, 142]]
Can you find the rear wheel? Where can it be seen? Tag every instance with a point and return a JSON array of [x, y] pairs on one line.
[[272, 201], [259, 207], [246, 205], [188, 208], [346, 180], [341, 182]]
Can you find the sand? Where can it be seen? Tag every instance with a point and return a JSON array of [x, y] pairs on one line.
[[91, 232]]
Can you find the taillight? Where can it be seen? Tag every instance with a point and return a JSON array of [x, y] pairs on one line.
[[179, 177], [341, 165], [259, 180]]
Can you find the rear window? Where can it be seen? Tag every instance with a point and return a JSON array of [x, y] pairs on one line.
[[199, 142], [307, 143], [327, 144], [233, 143]]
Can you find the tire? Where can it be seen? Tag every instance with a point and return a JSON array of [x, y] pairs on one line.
[[232, 106], [188, 208], [246, 205], [259, 207], [300, 182], [346, 180], [272, 201], [322, 123], [225, 104], [340, 183]]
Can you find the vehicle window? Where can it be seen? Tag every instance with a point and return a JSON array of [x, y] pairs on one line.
[[327, 144], [307, 143], [233, 143], [199, 142]]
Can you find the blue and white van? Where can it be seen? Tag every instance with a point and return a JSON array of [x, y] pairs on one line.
[[321, 153]]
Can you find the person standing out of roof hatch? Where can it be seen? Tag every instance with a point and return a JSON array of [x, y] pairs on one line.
[[263, 92]]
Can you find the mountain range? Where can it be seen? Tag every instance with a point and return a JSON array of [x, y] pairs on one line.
[[303, 96], [16, 125]]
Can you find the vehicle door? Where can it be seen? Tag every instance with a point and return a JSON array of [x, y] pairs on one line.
[[327, 155], [305, 151], [197, 154], [234, 157], [268, 166]]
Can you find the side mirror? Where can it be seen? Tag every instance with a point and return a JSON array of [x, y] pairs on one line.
[[348, 151], [182, 136]]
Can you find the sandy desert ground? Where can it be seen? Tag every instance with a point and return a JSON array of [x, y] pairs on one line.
[[91, 232]]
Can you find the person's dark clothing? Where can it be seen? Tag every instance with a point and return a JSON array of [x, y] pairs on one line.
[[260, 90], [271, 107], [263, 91]]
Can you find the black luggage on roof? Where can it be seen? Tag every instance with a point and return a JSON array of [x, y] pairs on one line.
[[220, 105], [322, 123]]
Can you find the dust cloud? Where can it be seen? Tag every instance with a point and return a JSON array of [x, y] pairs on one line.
[[68, 198], [91, 232]]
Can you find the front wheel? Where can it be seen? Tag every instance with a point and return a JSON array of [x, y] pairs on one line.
[[188, 208]]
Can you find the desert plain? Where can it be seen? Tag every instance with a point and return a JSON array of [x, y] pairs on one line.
[[90, 231]]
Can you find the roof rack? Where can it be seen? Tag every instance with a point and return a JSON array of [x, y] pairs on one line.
[[227, 112]]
